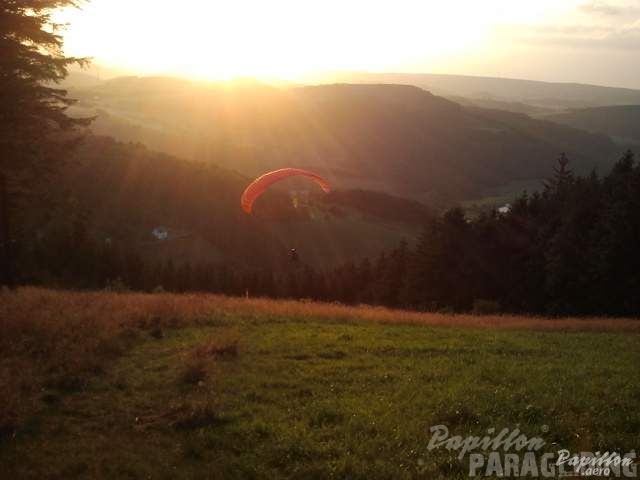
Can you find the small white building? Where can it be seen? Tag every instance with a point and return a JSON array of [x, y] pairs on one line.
[[160, 233], [505, 208]]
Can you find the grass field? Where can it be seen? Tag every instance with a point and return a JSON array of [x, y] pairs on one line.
[[107, 385]]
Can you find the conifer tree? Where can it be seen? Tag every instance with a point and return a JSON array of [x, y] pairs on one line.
[[33, 116]]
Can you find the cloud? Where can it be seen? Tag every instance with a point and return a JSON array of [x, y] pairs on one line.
[[573, 30], [595, 38], [626, 39], [609, 9], [594, 25]]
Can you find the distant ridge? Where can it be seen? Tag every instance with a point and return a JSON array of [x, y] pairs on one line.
[[538, 93]]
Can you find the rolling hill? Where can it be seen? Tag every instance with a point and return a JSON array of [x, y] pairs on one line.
[[392, 138], [621, 122]]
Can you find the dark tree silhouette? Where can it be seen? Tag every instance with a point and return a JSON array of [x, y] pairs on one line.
[[33, 118]]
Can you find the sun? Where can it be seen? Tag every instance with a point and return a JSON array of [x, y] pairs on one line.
[[285, 39]]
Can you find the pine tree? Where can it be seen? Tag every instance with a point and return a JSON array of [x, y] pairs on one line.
[[33, 116], [561, 179], [426, 268]]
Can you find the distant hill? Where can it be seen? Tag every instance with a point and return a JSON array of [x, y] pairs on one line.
[[392, 138], [621, 122], [122, 192], [541, 94], [509, 106]]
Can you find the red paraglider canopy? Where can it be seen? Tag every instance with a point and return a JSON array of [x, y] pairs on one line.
[[259, 185]]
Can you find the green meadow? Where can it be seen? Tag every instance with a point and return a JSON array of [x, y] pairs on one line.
[[282, 392]]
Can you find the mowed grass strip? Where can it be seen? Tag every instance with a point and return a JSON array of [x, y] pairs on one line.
[[162, 386]]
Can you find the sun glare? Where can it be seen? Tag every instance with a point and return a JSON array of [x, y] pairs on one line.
[[289, 39]]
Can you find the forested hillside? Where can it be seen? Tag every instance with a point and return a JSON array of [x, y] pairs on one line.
[[568, 249], [96, 221], [620, 122]]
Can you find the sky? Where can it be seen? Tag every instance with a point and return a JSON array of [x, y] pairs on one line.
[[586, 41]]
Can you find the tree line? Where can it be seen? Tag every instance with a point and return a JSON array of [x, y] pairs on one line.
[[570, 249]]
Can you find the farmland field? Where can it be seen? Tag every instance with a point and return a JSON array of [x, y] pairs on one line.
[[122, 385]]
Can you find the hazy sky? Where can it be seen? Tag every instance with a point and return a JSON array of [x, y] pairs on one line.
[[589, 41]]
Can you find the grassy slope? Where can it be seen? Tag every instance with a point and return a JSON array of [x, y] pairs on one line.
[[165, 386]]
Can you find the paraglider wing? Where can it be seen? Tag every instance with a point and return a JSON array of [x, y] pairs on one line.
[[258, 186]]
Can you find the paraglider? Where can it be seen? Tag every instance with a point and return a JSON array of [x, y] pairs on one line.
[[258, 186]]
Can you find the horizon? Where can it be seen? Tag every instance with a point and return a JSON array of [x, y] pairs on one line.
[[573, 41], [106, 73]]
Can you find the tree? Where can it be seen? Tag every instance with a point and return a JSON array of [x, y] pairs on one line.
[[617, 261], [34, 125], [562, 177]]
